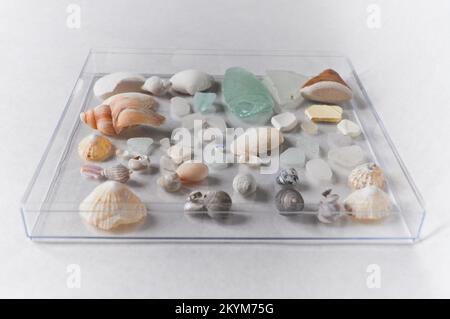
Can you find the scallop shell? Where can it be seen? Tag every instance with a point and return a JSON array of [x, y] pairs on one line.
[[217, 203], [191, 172], [369, 203], [95, 147], [194, 202], [288, 176], [191, 81], [122, 111], [289, 200], [117, 82], [244, 184], [156, 86], [112, 204], [170, 182], [256, 141], [365, 175], [118, 173]]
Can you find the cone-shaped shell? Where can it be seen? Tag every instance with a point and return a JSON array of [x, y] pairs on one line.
[[121, 111], [112, 204], [95, 147], [369, 203]]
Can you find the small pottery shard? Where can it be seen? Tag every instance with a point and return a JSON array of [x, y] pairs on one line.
[[324, 113], [284, 121], [327, 87]]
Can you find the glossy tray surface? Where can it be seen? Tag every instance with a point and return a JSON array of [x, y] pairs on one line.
[[50, 204]]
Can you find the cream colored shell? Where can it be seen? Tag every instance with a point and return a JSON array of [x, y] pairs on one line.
[[95, 147], [368, 204], [112, 204], [365, 175]]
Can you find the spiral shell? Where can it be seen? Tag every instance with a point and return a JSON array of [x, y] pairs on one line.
[[95, 147], [365, 175], [289, 200], [121, 111], [288, 176], [112, 204]]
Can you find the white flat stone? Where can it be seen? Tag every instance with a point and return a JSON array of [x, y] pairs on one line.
[[179, 108], [309, 146], [292, 157], [347, 156], [319, 171], [284, 121], [349, 128]]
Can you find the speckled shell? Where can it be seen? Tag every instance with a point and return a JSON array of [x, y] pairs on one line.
[[369, 203], [217, 201], [289, 200], [118, 173], [170, 182], [365, 175], [190, 172], [244, 184], [95, 147], [288, 176], [110, 205]]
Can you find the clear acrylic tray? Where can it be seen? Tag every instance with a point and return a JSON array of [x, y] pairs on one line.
[[50, 204]]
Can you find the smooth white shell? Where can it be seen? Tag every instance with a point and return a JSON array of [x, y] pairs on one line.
[[369, 203], [191, 81], [112, 204], [118, 82]]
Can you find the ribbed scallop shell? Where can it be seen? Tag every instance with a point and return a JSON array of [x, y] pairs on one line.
[[112, 204], [365, 175], [118, 173], [369, 203], [95, 148]]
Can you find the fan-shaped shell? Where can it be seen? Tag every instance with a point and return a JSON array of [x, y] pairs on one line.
[[112, 204], [365, 175], [95, 147], [369, 203]]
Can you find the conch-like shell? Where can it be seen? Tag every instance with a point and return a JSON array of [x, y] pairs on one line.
[[365, 175], [112, 204], [256, 141], [121, 111], [368, 204]]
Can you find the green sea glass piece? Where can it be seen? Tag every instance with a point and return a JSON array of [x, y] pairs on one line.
[[246, 97], [203, 102]]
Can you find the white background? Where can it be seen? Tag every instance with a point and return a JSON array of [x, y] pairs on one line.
[[404, 65]]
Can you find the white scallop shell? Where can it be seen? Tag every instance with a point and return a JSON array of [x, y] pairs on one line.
[[118, 82], [191, 81], [112, 204], [369, 203]]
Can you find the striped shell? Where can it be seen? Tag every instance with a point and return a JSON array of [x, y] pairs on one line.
[[118, 173], [121, 111], [95, 147]]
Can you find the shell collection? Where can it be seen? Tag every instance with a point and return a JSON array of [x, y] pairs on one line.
[[127, 101]]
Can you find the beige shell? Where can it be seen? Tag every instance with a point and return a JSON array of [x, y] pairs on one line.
[[121, 111], [191, 172], [368, 204], [112, 204], [257, 141], [365, 175], [95, 147]]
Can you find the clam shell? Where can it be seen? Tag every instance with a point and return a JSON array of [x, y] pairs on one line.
[[95, 147], [244, 184], [256, 141], [288, 176], [289, 200], [170, 182], [191, 172], [369, 203], [365, 175], [191, 81], [112, 204], [118, 173]]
